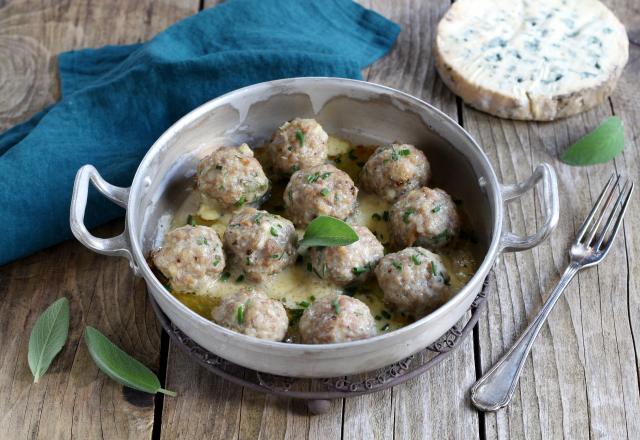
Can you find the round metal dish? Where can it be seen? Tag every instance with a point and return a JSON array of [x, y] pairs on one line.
[[334, 387]]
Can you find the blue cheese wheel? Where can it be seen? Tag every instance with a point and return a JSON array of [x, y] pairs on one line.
[[532, 59]]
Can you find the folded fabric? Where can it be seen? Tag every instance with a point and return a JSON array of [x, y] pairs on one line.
[[117, 100]]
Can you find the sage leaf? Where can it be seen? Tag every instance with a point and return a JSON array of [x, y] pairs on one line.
[[119, 366], [328, 231], [600, 146], [48, 336]]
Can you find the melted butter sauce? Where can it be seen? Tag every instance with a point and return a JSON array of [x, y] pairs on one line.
[[297, 286]]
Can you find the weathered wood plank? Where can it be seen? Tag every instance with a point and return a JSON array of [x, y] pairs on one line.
[[74, 400], [581, 379]]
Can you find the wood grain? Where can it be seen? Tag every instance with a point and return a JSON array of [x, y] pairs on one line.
[[581, 379], [73, 400]]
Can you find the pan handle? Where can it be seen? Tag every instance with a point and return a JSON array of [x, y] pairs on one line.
[[511, 242], [115, 246]]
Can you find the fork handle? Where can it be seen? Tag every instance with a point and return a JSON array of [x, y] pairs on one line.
[[495, 389]]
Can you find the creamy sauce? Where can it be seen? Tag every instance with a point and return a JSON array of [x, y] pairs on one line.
[[297, 286]]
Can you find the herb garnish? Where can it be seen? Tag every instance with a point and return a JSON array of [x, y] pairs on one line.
[[258, 218], [416, 260], [324, 192], [328, 231], [336, 305], [119, 366], [274, 231], [434, 270], [48, 336], [404, 152], [216, 261], [359, 270], [407, 214], [240, 278], [240, 314], [300, 137], [600, 146], [397, 265], [435, 209], [241, 201], [202, 241], [191, 221]]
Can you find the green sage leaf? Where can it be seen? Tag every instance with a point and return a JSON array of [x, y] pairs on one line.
[[48, 336], [600, 146], [328, 231], [119, 366]]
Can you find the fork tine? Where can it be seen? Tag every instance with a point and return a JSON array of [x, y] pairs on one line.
[[587, 221], [621, 205], [594, 229]]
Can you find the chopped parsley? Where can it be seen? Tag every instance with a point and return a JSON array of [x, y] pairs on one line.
[[304, 304], [191, 221], [324, 192], [295, 315], [241, 201], [312, 178], [240, 314], [404, 152], [258, 218], [397, 265], [276, 256], [416, 260], [336, 305], [274, 232], [325, 175], [394, 154], [435, 209], [359, 270], [300, 137], [434, 269], [202, 241], [312, 298], [216, 261], [407, 214]]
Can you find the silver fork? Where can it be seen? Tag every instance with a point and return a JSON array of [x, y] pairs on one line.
[[495, 389]]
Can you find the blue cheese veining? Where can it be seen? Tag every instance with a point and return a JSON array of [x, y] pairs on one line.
[[531, 59]]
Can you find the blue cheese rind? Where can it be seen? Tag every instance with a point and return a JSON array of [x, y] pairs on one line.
[[531, 60]]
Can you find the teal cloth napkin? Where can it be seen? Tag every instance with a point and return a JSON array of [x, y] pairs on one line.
[[117, 100]]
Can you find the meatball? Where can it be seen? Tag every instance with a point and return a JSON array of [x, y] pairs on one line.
[[336, 319], [232, 177], [191, 258], [348, 264], [296, 145], [260, 243], [426, 217], [413, 280], [393, 170], [252, 313], [320, 190]]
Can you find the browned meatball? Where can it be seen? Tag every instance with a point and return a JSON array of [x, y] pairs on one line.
[[425, 217], [260, 243], [348, 264], [232, 177], [413, 280], [252, 313], [393, 170], [320, 190], [336, 319], [296, 145], [191, 258]]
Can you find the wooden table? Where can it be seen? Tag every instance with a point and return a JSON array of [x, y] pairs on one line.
[[580, 382]]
